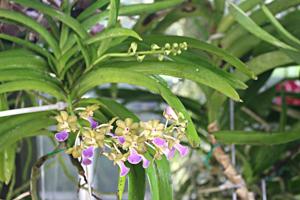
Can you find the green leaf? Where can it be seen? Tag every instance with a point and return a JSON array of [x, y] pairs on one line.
[[256, 138], [32, 24], [197, 44], [288, 37], [265, 62], [106, 75], [121, 187], [234, 34], [241, 17], [228, 20], [153, 181], [26, 44], [26, 74], [136, 182], [91, 9], [22, 61], [111, 107], [164, 177], [112, 33], [32, 85], [7, 163], [15, 128], [113, 12], [198, 73], [69, 21], [130, 10]]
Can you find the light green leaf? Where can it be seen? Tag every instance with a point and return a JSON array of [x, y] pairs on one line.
[[18, 127], [32, 85], [197, 73], [112, 33], [136, 182], [69, 21], [241, 17], [32, 24], [130, 10], [91, 9], [256, 138], [27, 44], [121, 187], [288, 37], [7, 163]]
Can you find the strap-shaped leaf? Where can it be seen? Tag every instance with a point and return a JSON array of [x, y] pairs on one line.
[[259, 18], [15, 128], [106, 75], [197, 73], [113, 12], [112, 33], [26, 44], [7, 163], [91, 9], [288, 37], [228, 20], [69, 21], [265, 62], [33, 85], [242, 18], [26, 74], [256, 138], [32, 24], [136, 182], [22, 61], [136, 9], [197, 44]]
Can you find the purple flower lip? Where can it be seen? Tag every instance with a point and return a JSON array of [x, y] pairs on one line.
[[121, 139], [134, 157], [182, 149], [123, 169], [96, 29], [62, 136], [93, 123], [170, 113], [159, 142], [146, 162], [89, 152], [86, 161], [171, 153]]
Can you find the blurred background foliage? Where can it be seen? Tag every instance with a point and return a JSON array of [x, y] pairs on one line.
[[263, 34]]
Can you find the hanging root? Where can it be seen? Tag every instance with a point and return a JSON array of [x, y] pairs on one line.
[[229, 170]]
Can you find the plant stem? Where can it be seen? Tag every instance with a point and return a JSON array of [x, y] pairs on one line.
[[35, 172]]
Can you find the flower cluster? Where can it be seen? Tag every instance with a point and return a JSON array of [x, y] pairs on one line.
[[166, 50], [122, 140]]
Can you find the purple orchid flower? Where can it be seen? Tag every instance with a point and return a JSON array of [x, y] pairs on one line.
[[123, 169], [96, 29], [159, 142], [93, 123], [146, 162], [86, 161], [89, 152], [121, 139], [169, 113], [181, 149], [134, 157], [62, 136]]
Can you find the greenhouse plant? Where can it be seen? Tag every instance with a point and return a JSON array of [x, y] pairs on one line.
[[149, 99]]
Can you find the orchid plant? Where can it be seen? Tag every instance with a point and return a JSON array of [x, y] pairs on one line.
[[82, 53]]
